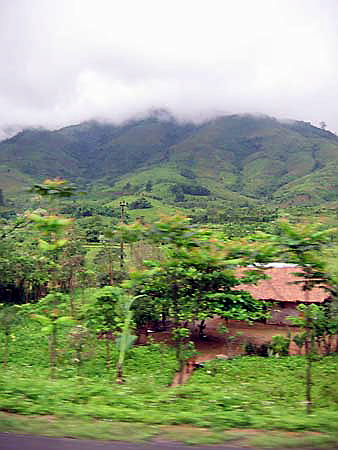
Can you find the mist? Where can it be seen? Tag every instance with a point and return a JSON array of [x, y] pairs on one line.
[[68, 61]]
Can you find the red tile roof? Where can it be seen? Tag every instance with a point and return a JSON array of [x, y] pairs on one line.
[[280, 287]]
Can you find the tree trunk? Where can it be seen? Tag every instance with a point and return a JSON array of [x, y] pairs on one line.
[[308, 356], [121, 255], [201, 328], [178, 339], [328, 344], [164, 318], [119, 373], [71, 295]]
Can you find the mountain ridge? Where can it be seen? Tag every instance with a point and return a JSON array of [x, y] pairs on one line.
[[234, 158]]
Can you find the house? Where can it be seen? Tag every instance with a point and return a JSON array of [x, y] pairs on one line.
[[281, 293]]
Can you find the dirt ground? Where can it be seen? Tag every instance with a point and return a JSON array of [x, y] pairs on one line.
[[216, 344], [231, 343]]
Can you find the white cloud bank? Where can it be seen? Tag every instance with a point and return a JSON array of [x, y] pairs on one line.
[[65, 61]]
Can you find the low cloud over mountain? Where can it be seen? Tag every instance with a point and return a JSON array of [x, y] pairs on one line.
[[68, 61]]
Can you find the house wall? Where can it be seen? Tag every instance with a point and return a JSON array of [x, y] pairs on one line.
[[279, 313]]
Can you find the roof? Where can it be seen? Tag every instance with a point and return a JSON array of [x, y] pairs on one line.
[[281, 287]]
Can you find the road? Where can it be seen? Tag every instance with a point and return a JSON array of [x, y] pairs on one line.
[[10, 441]]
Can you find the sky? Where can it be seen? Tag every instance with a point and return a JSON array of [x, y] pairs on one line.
[[67, 61]]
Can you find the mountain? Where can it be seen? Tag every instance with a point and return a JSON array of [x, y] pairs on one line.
[[238, 159]]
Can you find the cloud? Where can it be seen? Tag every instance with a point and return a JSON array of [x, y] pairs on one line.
[[72, 60]]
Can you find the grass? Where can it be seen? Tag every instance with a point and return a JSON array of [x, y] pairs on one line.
[[302, 440], [76, 428], [246, 392], [158, 207], [79, 428], [197, 436], [243, 393]]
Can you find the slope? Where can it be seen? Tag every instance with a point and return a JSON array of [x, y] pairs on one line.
[[241, 160]]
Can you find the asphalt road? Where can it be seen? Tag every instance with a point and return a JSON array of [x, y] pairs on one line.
[[10, 441]]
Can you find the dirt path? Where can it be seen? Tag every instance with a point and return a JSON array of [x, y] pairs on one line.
[[181, 377]]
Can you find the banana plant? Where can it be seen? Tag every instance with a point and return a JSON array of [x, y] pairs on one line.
[[125, 339]]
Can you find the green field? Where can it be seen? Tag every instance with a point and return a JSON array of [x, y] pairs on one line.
[[245, 392]]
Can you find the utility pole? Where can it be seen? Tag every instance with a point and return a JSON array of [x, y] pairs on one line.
[[123, 206]]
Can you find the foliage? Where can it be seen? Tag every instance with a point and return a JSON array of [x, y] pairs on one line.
[[125, 339], [9, 318], [87, 208], [239, 160], [54, 188], [279, 345], [191, 189], [302, 244], [247, 392], [140, 203], [24, 269], [256, 349], [103, 314], [187, 173], [149, 186], [51, 322], [194, 281]]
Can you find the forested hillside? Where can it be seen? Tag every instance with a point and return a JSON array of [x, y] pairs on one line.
[[232, 160]]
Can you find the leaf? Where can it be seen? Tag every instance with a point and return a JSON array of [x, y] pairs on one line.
[[61, 243], [127, 341], [47, 329], [45, 246], [65, 320], [42, 319]]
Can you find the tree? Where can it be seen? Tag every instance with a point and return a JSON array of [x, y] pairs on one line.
[[307, 321], [195, 281], [303, 244], [103, 318], [125, 339], [110, 315], [24, 268], [54, 188], [149, 186], [140, 203], [51, 321], [53, 239], [71, 264]]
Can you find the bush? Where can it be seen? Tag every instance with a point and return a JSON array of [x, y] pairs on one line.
[[140, 203], [256, 349], [279, 345]]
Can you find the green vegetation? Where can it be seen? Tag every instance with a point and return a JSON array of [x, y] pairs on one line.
[[68, 334], [245, 392], [140, 432], [228, 162]]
